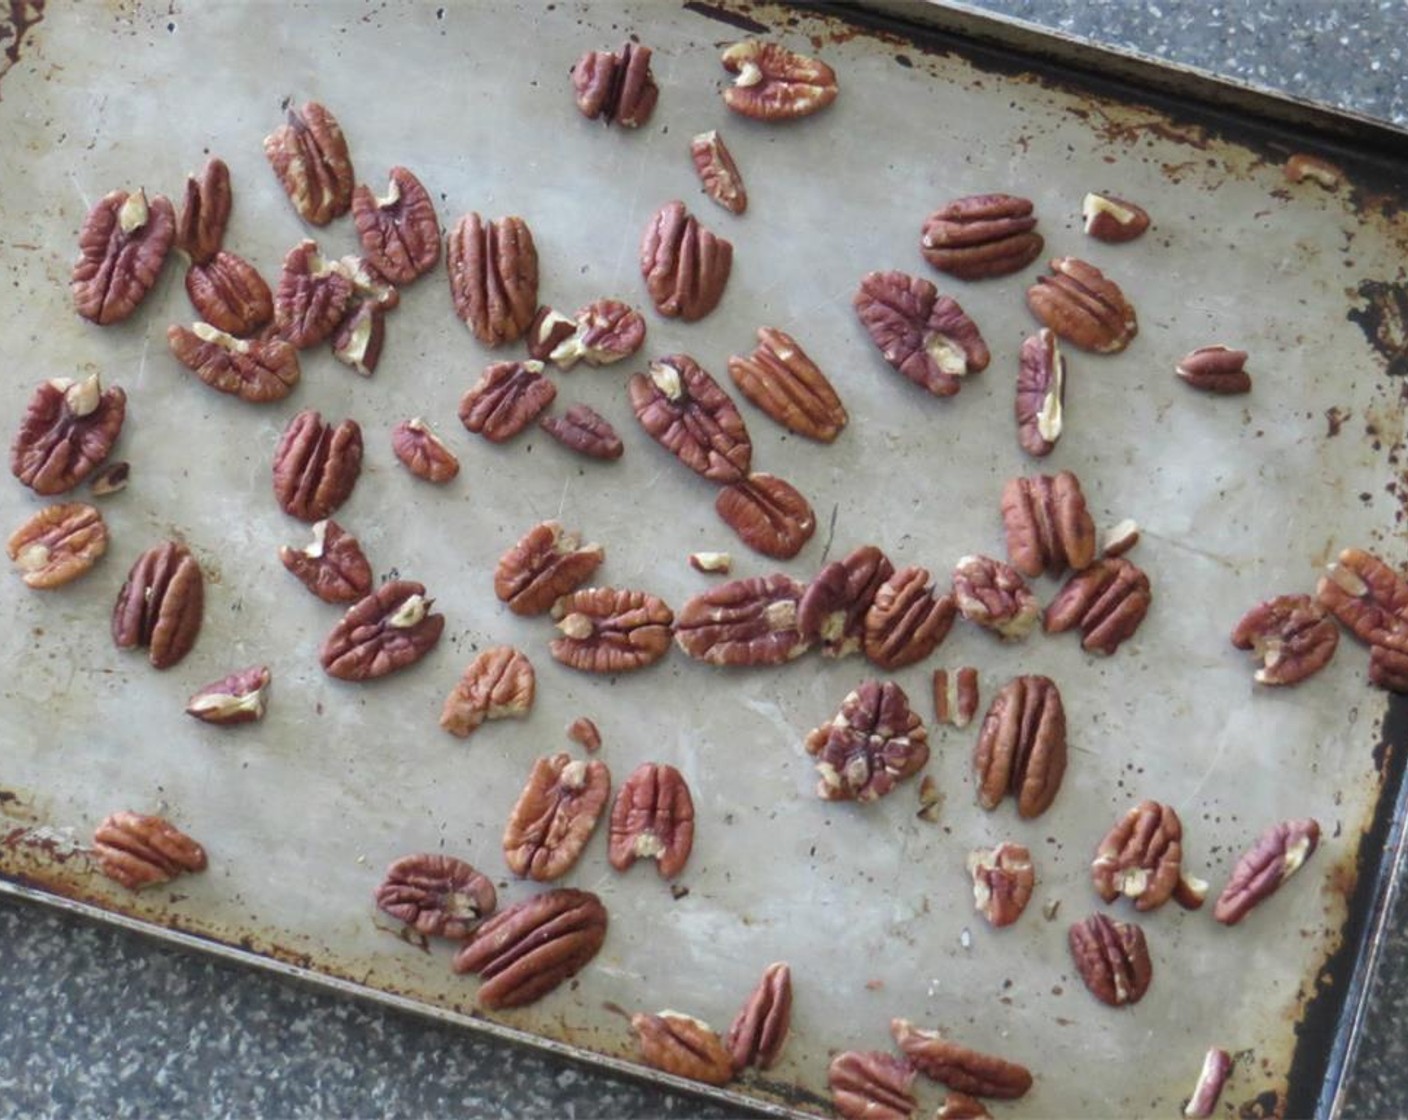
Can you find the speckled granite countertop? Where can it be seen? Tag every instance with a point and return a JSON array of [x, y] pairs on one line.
[[97, 1021]]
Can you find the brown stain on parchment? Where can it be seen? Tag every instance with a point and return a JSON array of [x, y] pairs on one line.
[[16, 19]]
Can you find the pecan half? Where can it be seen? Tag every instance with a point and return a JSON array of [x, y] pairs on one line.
[[775, 84], [498, 684], [714, 165], [200, 227], [358, 340], [906, 622], [685, 266], [603, 332], [257, 370], [871, 1085], [1292, 635], [687, 412], [437, 895], [1107, 601], [874, 742], [1141, 858], [524, 952], [1112, 958], [58, 544], [1048, 525], [743, 622], [229, 294], [832, 610], [1365, 594], [1111, 219], [683, 1045], [493, 277], [423, 452], [160, 605], [547, 563], [1003, 880], [506, 399], [235, 698], [388, 630], [768, 513], [1083, 306], [141, 851], [309, 156], [312, 298], [554, 816], [1277, 855], [316, 465], [1021, 746], [1217, 1064], [584, 430], [122, 246], [956, 696], [68, 429], [333, 567], [760, 1028], [1216, 369], [1041, 394], [399, 232], [981, 236], [608, 630], [653, 818], [781, 380], [616, 88], [958, 1067], [927, 338], [994, 595]]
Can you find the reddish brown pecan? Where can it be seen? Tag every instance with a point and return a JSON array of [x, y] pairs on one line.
[[554, 816], [609, 630], [685, 266], [585, 734], [958, 1067], [1048, 525], [743, 622], [1216, 369], [960, 1106], [160, 605], [1107, 601], [333, 567], [781, 380], [259, 371], [994, 595], [68, 429], [238, 697], [141, 851], [1277, 855], [653, 818], [437, 895], [603, 332], [1388, 664], [1292, 635], [1365, 594], [1217, 1064], [358, 340], [906, 622], [616, 88], [585, 431], [956, 696], [1021, 746], [1141, 858], [775, 84], [981, 236], [312, 298], [1002, 882], [498, 684], [874, 742], [1111, 219], [768, 513], [388, 630], [423, 452], [714, 165], [506, 399], [927, 338], [683, 1045], [58, 544], [1083, 306], [688, 413], [833, 608], [122, 246], [1112, 958], [871, 1085], [399, 232], [1041, 394], [547, 563], [760, 1028], [493, 277], [316, 466], [200, 227], [527, 950], [229, 294], [309, 156]]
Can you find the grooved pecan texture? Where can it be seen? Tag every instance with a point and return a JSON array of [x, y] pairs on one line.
[[200, 227], [994, 595], [775, 84], [958, 1067], [121, 247], [1107, 602], [927, 338], [1292, 635], [1141, 857], [547, 563], [422, 452], [758, 1032], [906, 622], [237, 697], [1083, 306], [1365, 594], [1002, 882], [1021, 746], [316, 466], [388, 630], [585, 431], [683, 1045], [684, 410], [68, 429], [609, 630], [1112, 958], [333, 567], [768, 513], [58, 544], [437, 895], [788, 386], [1277, 855], [1216, 369], [554, 816], [498, 684], [653, 818], [616, 88], [309, 155], [833, 608], [1040, 406], [161, 605], [685, 266], [714, 165], [493, 271], [399, 232], [871, 1085], [229, 294], [874, 742], [256, 370], [1048, 525], [312, 298], [141, 851], [981, 236], [506, 399], [743, 622]]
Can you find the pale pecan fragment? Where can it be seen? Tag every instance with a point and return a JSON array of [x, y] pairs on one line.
[[713, 563], [309, 156], [871, 1085], [68, 429], [872, 744], [235, 698], [312, 298], [714, 165], [506, 399], [200, 227], [229, 294], [1302, 166], [1112, 958], [257, 370], [653, 818], [994, 595], [437, 895], [1292, 635], [833, 608], [743, 622], [498, 684], [956, 696], [1141, 858], [527, 950], [928, 338], [493, 271], [685, 266], [1107, 602], [316, 465], [775, 84], [161, 604], [585, 431], [585, 734], [960, 1106], [423, 452], [617, 88], [907, 621], [1021, 746], [358, 340], [122, 246], [781, 380], [1083, 306], [1041, 394], [1048, 525], [388, 630], [981, 236], [1216, 369], [609, 630], [399, 232], [760, 1028], [683, 1045], [1217, 1064], [682, 408], [958, 1067], [554, 816], [547, 563], [141, 851], [1112, 220], [1368, 596], [1120, 538], [548, 330], [768, 513], [58, 544], [333, 567], [111, 478], [1277, 855], [603, 332], [1002, 882]]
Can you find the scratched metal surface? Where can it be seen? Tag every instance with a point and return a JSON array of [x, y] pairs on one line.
[[1239, 499]]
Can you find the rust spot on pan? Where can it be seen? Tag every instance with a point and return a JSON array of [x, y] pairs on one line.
[[723, 15], [1384, 320]]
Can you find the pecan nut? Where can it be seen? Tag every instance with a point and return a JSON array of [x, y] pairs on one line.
[[313, 297], [333, 567], [960, 1106], [399, 232], [1292, 636], [758, 1031], [781, 380], [958, 1067], [388, 630], [1112, 220], [110, 479], [422, 452], [743, 622], [238, 697], [493, 277], [652, 818], [981, 236], [685, 266], [871, 1085], [609, 630], [768, 513], [1021, 746], [1141, 858], [316, 466], [994, 595], [160, 605], [141, 851], [506, 399], [358, 340], [437, 895], [682, 408], [1112, 958], [122, 246], [68, 429], [309, 155], [906, 622], [1040, 404], [1107, 601], [1277, 855], [368, 285], [229, 294], [585, 431], [1083, 306], [1216, 369], [603, 332], [1048, 525], [498, 684], [956, 696], [1388, 665], [524, 952], [257, 370], [775, 84], [58, 544], [554, 816], [547, 563], [927, 338], [200, 227], [1217, 1064], [683, 1045], [832, 610], [616, 88], [1365, 594], [585, 734], [714, 165], [547, 332], [874, 742], [1003, 880]]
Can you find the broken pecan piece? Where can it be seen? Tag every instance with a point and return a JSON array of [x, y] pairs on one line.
[[956, 696], [775, 84], [608, 630], [369, 285], [1048, 525], [926, 337], [871, 1085], [58, 544], [781, 380], [1021, 746], [122, 246], [743, 622], [1112, 958], [333, 567], [547, 563], [257, 370], [1141, 858], [906, 622], [437, 895], [585, 431], [111, 478], [498, 684], [683, 1045], [757, 1033], [1216, 369], [1041, 394], [958, 1067], [68, 429], [423, 452], [312, 298], [1277, 855], [309, 156], [1388, 664], [1002, 882], [388, 630], [1217, 1064], [617, 88], [400, 234], [160, 605], [994, 595], [1107, 601], [832, 610], [769, 515], [1083, 306], [506, 399], [685, 266], [874, 742], [603, 332], [493, 271], [1292, 635], [141, 851], [200, 227], [652, 818], [585, 734], [358, 340], [316, 466], [714, 165], [554, 816], [235, 698], [1111, 219], [960, 1106], [682, 408], [981, 236], [229, 294], [1365, 594]]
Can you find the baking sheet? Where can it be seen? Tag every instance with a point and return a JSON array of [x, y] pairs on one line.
[[1239, 499]]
